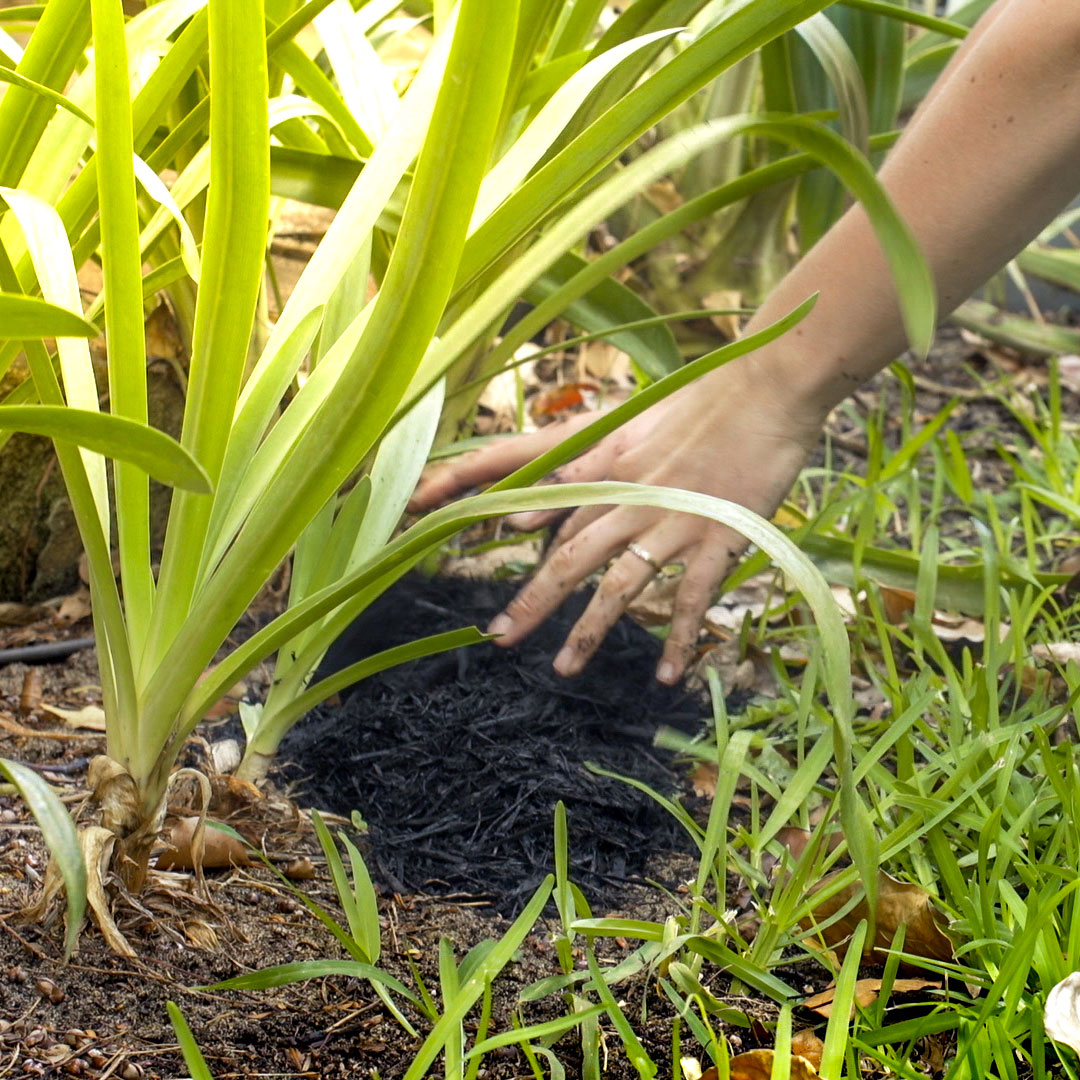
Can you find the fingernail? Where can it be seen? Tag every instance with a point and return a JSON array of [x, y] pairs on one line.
[[666, 673], [566, 661], [501, 624]]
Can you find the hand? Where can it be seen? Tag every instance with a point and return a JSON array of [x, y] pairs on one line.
[[729, 434]]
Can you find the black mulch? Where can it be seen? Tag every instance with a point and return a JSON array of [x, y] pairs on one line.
[[456, 761]]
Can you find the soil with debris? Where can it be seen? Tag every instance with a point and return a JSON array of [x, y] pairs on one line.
[[456, 761], [102, 1016]]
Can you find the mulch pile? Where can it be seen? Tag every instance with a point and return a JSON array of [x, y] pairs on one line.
[[456, 761]]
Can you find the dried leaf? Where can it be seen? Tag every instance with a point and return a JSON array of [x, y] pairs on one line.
[[202, 935], [1061, 1016], [1058, 652], [664, 195], [225, 755], [299, 869], [728, 325], [73, 608], [212, 849], [14, 614], [758, 1065], [97, 847], [807, 1045], [703, 779], [563, 398], [866, 993], [655, 604], [90, 717], [897, 603], [899, 903]]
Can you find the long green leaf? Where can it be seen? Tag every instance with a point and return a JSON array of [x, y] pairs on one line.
[[28, 317], [740, 30], [122, 280], [193, 1058], [58, 831], [116, 437], [406, 315], [232, 269]]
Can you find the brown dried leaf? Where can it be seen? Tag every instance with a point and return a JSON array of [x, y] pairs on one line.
[[728, 325], [73, 608], [897, 603], [14, 614], [898, 903], [758, 1065], [866, 993], [1058, 652], [212, 850], [299, 869], [807, 1045], [90, 717], [703, 779]]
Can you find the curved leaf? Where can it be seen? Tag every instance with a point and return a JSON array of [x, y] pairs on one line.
[[115, 437], [23, 317], [58, 831]]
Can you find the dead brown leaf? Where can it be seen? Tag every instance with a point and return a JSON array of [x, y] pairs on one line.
[[866, 993], [728, 325], [299, 869], [218, 849], [758, 1065], [1057, 652], [14, 614], [897, 603], [899, 903], [807, 1045], [703, 779], [73, 608], [89, 717]]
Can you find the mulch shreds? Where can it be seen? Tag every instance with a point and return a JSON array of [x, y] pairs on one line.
[[456, 761]]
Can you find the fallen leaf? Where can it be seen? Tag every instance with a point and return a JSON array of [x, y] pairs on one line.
[[728, 325], [1061, 1015], [752, 672], [758, 1065], [897, 603], [73, 608], [299, 869], [551, 402], [899, 903], [866, 993], [1069, 372], [602, 360], [183, 852], [1058, 652], [15, 614], [807, 1045], [703, 779], [202, 935], [90, 717], [225, 755], [655, 604]]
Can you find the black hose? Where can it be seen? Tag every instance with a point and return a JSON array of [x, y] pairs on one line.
[[49, 650]]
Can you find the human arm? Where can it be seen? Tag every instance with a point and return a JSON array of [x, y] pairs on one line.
[[988, 160]]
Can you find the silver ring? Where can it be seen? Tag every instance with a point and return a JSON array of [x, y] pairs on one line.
[[636, 549]]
